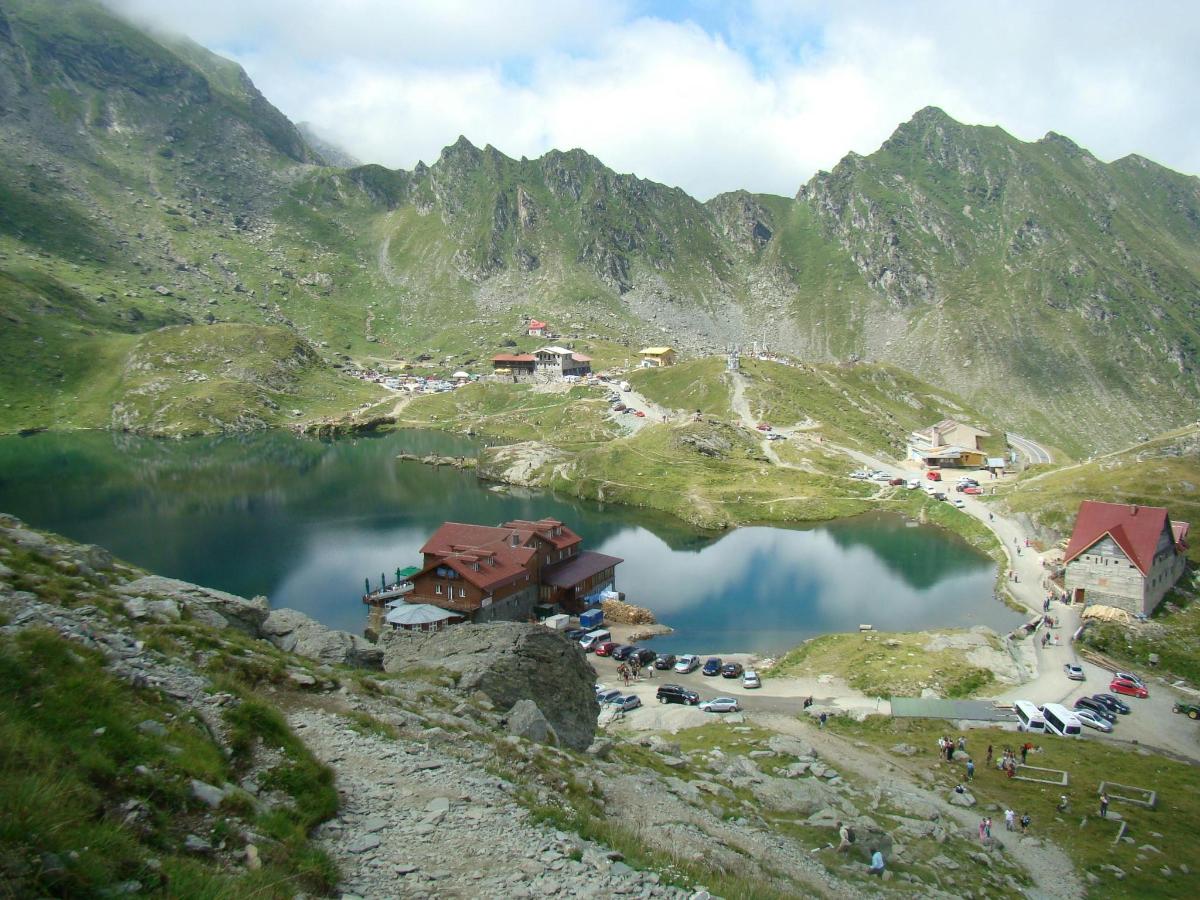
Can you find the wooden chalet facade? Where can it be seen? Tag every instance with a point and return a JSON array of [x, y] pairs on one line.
[[484, 573], [1124, 555], [516, 367]]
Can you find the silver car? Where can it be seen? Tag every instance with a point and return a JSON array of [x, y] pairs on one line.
[[1092, 720], [720, 705]]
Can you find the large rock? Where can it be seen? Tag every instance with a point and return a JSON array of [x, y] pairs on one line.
[[210, 606], [297, 633], [526, 720], [509, 661], [799, 797]]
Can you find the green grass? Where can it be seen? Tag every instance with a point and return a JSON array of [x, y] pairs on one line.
[[69, 747], [708, 474], [694, 384], [1088, 843], [885, 664]]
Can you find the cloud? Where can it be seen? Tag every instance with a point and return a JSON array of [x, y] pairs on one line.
[[709, 98]]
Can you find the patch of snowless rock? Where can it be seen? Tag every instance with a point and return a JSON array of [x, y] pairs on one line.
[[509, 662]]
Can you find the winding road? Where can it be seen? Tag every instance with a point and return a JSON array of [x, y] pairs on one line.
[[1032, 451]]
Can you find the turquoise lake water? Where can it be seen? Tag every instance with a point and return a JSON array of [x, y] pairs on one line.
[[304, 521]]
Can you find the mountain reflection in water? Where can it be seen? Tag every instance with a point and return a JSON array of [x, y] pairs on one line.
[[305, 521]]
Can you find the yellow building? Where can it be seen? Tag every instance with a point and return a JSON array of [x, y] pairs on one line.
[[658, 357]]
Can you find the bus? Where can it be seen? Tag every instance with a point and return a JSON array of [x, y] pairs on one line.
[[1029, 717], [1061, 721]]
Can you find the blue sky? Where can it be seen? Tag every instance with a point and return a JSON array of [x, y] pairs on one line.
[[709, 96]]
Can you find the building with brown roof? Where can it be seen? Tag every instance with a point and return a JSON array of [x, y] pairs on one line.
[[514, 366], [1124, 555], [484, 573]]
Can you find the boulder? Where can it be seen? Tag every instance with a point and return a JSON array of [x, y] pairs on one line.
[[785, 745], [966, 798], [293, 631], [526, 720], [509, 661], [803, 797], [210, 606]]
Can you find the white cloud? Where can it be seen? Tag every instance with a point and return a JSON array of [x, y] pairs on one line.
[[759, 99]]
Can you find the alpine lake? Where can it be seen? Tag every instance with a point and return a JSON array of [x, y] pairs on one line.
[[306, 521]]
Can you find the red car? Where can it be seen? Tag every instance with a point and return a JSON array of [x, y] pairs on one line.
[[895, 482], [972, 490], [640, 414], [607, 648], [1129, 688], [934, 476], [763, 426]]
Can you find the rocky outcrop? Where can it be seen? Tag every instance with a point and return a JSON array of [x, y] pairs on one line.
[[295, 632], [212, 607], [526, 720], [509, 662]]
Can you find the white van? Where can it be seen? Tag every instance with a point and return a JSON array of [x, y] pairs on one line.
[[626, 386], [1029, 717], [1061, 721], [594, 639]]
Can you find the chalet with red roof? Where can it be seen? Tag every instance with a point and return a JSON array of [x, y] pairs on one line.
[[538, 329], [484, 573], [1124, 555]]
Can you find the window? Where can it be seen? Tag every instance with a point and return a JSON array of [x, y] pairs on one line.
[[462, 592], [437, 589]]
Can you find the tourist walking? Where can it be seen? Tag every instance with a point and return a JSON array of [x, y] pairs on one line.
[[1010, 820], [843, 837], [970, 770], [821, 719], [1104, 806], [987, 827], [982, 825], [1025, 821], [877, 863], [988, 763]]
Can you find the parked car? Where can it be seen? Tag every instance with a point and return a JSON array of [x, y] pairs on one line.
[[720, 705], [1114, 704], [622, 652], [960, 503], [860, 475], [750, 679], [939, 495], [606, 648], [608, 696], [1097, 707], [776, 436], [914, 484], [732, 670], [664, 661], [574, 634], [1093, 720], [640, 414], [934, 476], [618, 407], [677, 693], [1191, 710], [600, 688], [763, 426], [628, 702], [1129, 676], [896, 482], [712, 666], [973, 490], [1129, 688], [1074, 672], [689, 662], [644, 656]]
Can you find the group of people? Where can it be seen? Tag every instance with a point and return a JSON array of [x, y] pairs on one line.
[[1010, 822], [1008, 762], [947, 746], [846, 839], [633, 670]]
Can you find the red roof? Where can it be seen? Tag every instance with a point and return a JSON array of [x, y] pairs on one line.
[[462, 547], [579, 357], [546, 529], [513, 358], [1135, 529], [534, 323]]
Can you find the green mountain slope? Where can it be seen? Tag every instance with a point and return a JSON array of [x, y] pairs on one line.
[[1055, 293]]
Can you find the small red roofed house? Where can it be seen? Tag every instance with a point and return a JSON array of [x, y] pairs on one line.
[[485, 573], [1124, 555], [538, 329]]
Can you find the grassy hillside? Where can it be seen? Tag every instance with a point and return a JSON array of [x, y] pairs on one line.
[[1164, 471], [865, 407], [694, 384]]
